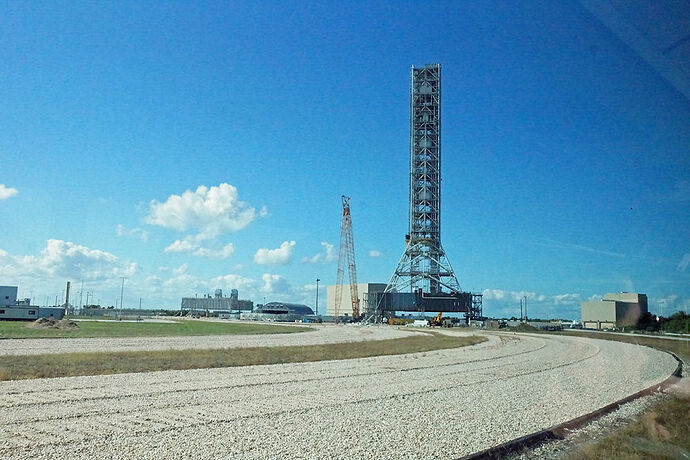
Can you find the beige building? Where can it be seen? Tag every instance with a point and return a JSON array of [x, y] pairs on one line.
[[614, 311], [363, 291]]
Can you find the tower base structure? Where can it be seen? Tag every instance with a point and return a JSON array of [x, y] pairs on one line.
[[424, 279]]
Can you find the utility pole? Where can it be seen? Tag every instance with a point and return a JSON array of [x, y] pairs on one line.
[[122, 291], [317, 296], [521, 310]]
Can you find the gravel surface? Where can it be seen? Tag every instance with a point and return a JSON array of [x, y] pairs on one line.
[[441, 404], [590, 433], [602, 427], [319, 335]]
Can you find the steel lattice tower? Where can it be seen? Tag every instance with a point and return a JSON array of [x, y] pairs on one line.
[[424, 264], [346, 257]]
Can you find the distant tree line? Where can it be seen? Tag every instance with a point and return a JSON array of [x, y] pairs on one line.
[[677, 322]]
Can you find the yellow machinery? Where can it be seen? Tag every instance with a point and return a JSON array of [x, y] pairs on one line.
[[436, 321]]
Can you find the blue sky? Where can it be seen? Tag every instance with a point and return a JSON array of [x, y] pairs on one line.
[[195, 145]]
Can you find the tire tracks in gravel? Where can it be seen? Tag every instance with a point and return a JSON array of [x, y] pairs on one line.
[[40, 393], [187, 413]]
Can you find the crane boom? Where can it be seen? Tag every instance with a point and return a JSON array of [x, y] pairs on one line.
[[346, 256]]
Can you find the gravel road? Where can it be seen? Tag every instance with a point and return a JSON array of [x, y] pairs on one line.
[[319, 335], [440, 404]]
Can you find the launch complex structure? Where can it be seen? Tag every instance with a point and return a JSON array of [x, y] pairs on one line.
[[424, 279]]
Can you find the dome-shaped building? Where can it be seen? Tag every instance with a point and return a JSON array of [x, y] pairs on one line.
[[283, 308]]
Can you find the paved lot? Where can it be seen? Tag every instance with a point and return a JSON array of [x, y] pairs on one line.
[[440, 404]]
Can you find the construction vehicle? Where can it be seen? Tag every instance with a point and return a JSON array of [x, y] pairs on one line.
[[437, 320]]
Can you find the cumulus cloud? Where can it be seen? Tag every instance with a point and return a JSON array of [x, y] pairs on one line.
[[209, 210], [263, 212], [185, 245], [7, 192], [503, 303], [274, 284], [328, 255], [374, 254], [65, 260], [222, 253], [513, 296], [278, 256], [232, 281], [136, 232], [192, 245]]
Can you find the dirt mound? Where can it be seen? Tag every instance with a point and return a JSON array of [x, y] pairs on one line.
[[46, 323], [523, 328]]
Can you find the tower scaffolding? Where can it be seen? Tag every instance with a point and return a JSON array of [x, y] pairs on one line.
[[424, 264], [424, 277], [346, 256]]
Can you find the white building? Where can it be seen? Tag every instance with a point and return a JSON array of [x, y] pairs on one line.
[[8, 295], [363, 291], [614, 310]]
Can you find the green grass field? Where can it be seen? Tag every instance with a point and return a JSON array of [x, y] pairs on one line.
[[73, 364], [23, 330]]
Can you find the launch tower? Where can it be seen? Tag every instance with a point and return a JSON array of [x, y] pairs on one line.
[[424, 279]]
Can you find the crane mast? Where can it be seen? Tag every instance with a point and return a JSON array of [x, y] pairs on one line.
[[346, 256]]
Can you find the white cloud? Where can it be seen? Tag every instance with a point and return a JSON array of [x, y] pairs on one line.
[[232, 281], [65, 260], [566, 299], [185, 245], [275, 284], [374, 254], [502, 303], [7, 192], [182, 281], [191, 244], [222, 253], [136, 232], [328, 255], [263, 212], [210, 210], [512, 296], [669, 304], [560, 245], [278, 256], [683, 264]]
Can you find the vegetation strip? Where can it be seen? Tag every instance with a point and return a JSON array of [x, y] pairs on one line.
[[661, 432], [89, 329], [75, 364]]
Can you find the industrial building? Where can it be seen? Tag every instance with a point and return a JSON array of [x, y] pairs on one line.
[[614, 311], [216, 303], [280, 311], [13, 309], [364, 291]]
